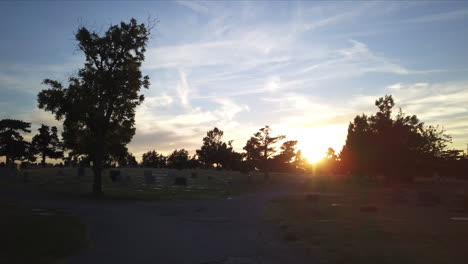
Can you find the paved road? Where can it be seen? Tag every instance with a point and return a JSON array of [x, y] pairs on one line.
[[181, 232]]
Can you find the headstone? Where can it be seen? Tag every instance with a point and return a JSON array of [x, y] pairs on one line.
[[460, 218], [11, 173], [126, 179], [115, 176], [81, 172], [368, 209], [249, 177], [171, 174], [182, 181], [210, 177], [60, 173], [428, 199], [25, 176], [149, 177], [312, 197], [193, 174], [398, 196]]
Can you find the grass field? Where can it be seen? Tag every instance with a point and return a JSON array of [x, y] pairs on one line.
[[38, 235], [207, 185], [358, 222]]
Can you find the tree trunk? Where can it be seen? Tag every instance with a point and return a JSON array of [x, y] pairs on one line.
[[265, 162], [43, 161], [97, 185], [97, 169], [8, 161]]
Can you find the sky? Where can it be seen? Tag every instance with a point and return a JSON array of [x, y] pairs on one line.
[[304, 68]]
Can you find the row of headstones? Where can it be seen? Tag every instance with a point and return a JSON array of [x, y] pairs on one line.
[[150, 179], [14, 173], [115, 176]]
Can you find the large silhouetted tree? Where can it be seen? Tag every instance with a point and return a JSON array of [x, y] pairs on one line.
[[260, 148], [299, 162], [127, 160], [98, 105], [153, 159], [395, 145], [284, 160], [215, 151], [47, 144], [12, 144], [178, 159], [209, 153]]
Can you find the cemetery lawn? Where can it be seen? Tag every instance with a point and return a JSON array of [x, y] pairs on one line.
[[338, 229], [209, 184], [38, 235]]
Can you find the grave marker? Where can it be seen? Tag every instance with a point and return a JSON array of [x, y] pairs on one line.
[[181, 181], [428, 199], [149, 177], [9, 172], [25, 176], [81, 172], [368, 209], [115, 176], [126, 179]]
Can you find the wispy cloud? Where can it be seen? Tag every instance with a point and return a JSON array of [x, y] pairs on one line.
[[197, 6], [438, 17], [183, 89], [307, 66]]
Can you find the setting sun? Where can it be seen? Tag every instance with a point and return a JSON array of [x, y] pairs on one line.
[[314, 141], [312, 156]]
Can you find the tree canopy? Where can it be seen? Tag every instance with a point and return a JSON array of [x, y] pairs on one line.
[[153, 159], [12, 144], [215, 151], [284, 161], [47, 144], [179, 159], [260, 148], [395, 145], [98, 105]]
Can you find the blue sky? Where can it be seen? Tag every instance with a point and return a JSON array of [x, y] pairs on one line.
[[304, 68]]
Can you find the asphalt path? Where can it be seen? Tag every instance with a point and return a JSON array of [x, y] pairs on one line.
[[180, 232]]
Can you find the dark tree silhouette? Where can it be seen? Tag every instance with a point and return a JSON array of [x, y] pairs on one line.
[[215, 151], [12, 144], [396, 146], [329, 163], [128, 160], [47, 144], [260, 148], [194, 162], [299, 162], [208, 154], [284, 160], [178, 159], [330, 154], [153, 159], [98, 106], [252, 153]]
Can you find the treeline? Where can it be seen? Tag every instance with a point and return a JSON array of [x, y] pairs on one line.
[[260, 153], [396, 146], [45, 144]]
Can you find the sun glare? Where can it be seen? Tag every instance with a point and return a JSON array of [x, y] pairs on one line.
[[315, 141], [312, 156]]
